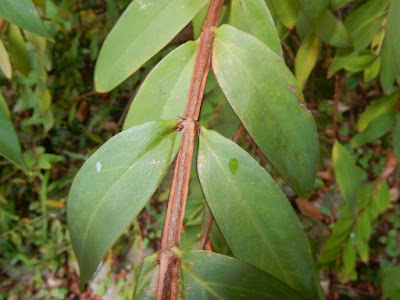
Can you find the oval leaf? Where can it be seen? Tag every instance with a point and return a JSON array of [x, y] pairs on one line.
[[23, 13], [208, 275], [287, 11], [347, 174], [306, 58], [9, 144], [5, 64], [332, 31], [262, 92], [145, 27], [253, 16], [164, 92], [377, 128], [113, 186], [256, 219], [18, 52], [378, 107]]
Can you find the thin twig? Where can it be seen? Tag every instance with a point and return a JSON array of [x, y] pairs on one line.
[[169, 264], [207, 230]]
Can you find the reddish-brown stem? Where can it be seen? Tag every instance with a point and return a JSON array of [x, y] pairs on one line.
[[169, 264]]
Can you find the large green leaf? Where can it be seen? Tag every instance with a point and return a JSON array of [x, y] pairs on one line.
[[375, 129], [378, 107], [254, 216], [9, 144], [113, 186], [365, 21], [5, 64], [164, 92], [254, 17], [287, 11], [392, 37], [208, 275], [18, 52], [23, 14], [347, 174], [145, 27], [306, 58], [263, 93]]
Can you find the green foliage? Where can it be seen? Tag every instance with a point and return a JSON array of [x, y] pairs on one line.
[[23, 14], [51, 121], [123, 52], [9, 144], [113, 186], [235, 188], [276, 102], [172, 77]]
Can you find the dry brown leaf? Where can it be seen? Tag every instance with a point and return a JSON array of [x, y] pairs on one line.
[[390, 166], [308, 209]]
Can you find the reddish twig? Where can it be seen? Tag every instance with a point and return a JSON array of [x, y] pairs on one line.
[[169, 264]]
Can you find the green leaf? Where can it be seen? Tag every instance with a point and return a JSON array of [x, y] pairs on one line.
[[146, 285], [208, 275], [396, 137], [145, 28], [386, 74], [306, 58], [335, 4], [392, 37], [380, 106], [253, 16], [303, 27], [287, 11], [113, 186], [249, 206], [18, 53], [391, 283], [372, 71], [349, 257], [365, 21], [198, 21], [382, 198], [377, 128], [362, 233], [359, 63], [23, 13], [164, 92], [264, 94], [347, 174], [341, 233], [5, 64], [332, 31], [313, 10], [9, 144]]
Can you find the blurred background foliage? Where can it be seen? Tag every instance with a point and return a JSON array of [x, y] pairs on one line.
[[345, 55]]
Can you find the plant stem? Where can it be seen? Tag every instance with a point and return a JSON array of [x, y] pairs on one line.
[[169, 264]]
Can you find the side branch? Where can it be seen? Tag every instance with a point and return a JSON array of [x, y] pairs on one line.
[[169, 264]]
